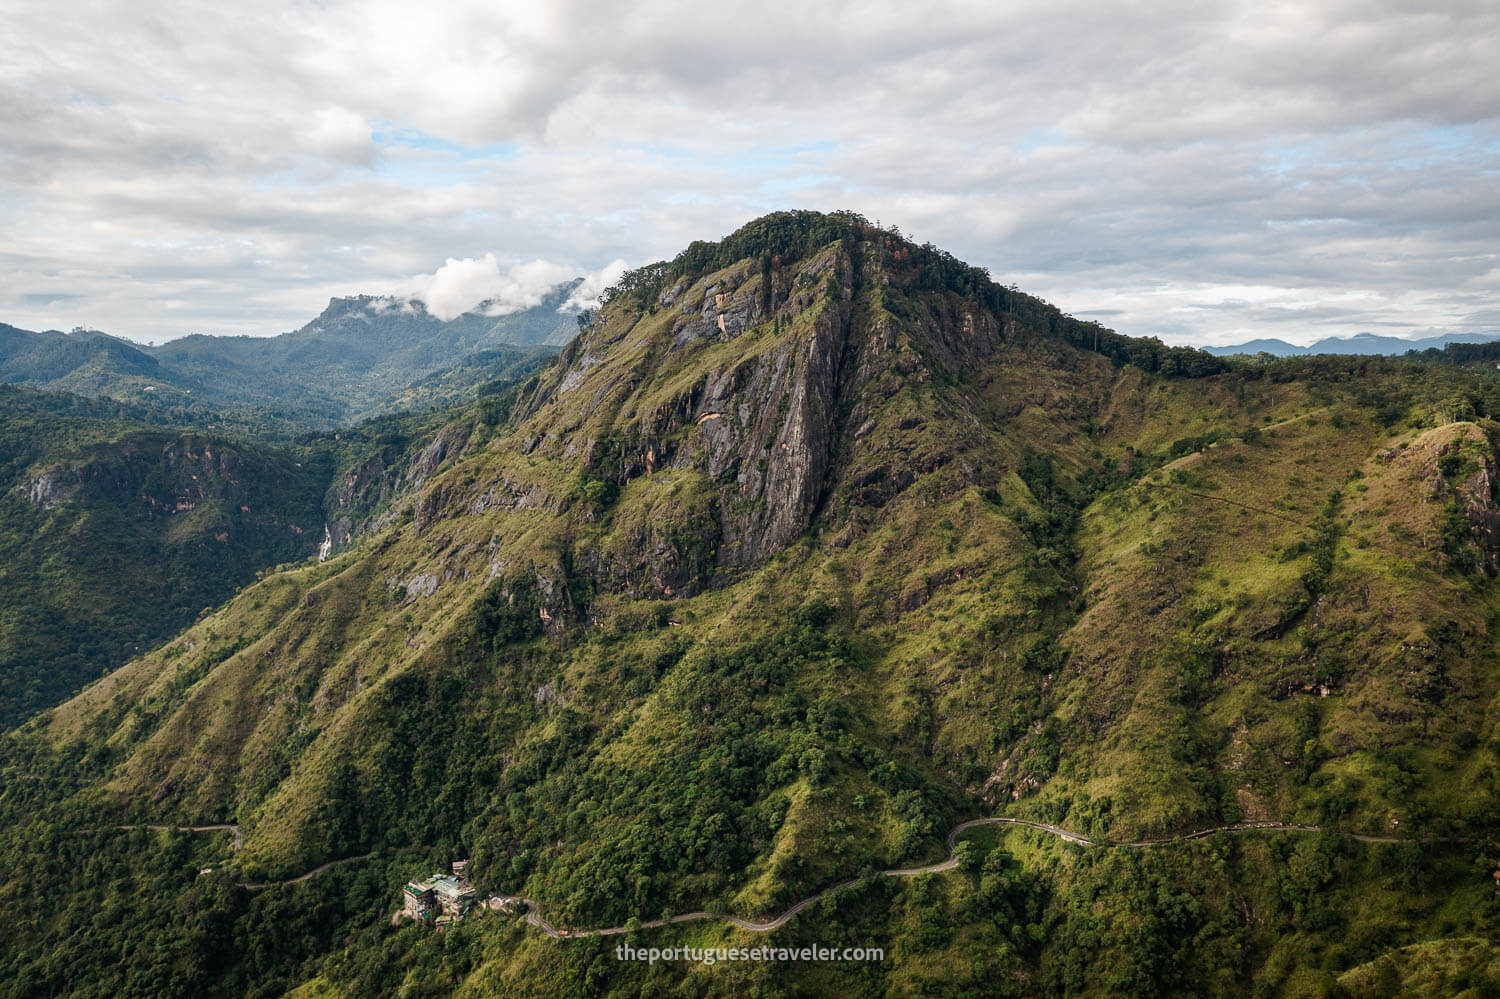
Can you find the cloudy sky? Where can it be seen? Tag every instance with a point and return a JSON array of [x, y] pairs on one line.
[[1204, 171]]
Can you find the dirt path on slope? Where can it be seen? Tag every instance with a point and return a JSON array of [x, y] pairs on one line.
[[239, 841]]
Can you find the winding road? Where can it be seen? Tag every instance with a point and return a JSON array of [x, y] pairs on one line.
[[535, 918], [258, 885], [534, 911]]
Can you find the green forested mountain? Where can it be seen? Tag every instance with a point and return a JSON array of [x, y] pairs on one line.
[[53, 357], [367, 355], [814, 544], [90, 363], [363, 356]]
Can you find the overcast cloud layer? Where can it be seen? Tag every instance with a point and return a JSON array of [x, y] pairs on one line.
[[1199, 170]]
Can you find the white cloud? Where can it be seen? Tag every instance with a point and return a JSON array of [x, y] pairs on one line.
[[391, 303], [1135, 160], [586, 295], [338, 134], [460, 286], [526, 285]]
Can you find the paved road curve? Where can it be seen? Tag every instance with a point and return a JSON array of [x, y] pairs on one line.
[[535, 918], [258, 885]]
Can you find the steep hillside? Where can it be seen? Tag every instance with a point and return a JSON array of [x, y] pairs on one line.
[[813, 544], [119, 531]]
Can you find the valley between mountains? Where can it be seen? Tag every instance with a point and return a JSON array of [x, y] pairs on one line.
[[813, 549]]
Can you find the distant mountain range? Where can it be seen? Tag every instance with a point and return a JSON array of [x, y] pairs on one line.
[[362, 356], [1360, 343]]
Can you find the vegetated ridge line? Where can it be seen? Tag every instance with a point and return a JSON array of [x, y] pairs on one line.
[[535, 918]]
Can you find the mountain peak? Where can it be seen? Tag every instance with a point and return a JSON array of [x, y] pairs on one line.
[[365, 308], [764, 362]]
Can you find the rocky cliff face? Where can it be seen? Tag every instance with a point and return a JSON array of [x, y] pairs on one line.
[[52, 487], [374, 493], [1469, 464], [764, 387]]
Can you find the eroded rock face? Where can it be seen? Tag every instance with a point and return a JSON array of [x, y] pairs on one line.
[[769, 426], [1476, 496], [52, 488], [372, 496], [763, 428], [772, 428], [765, 431], [421, 585]]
